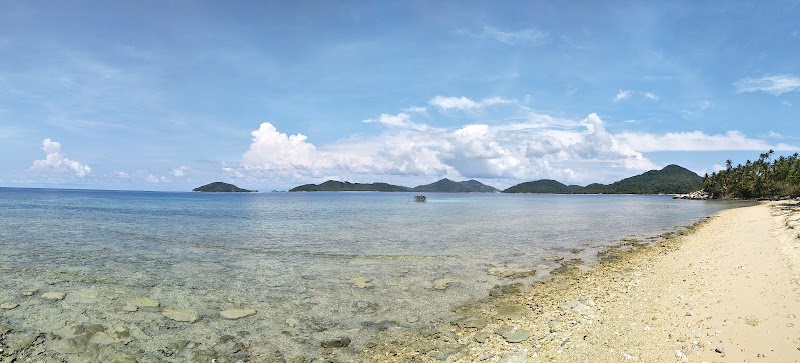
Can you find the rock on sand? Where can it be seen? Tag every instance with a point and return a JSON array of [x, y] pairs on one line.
[[53, 295], [234, 314], [511, 272], [183, 316]]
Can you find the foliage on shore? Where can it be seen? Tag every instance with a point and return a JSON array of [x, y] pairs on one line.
[[441, 186], [338, 186], [763, 178], [220, 187], [672, 179]]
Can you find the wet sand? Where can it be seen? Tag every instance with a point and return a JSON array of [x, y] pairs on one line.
[[726, 290]]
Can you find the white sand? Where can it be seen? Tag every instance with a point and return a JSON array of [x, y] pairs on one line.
[[731, 285], [728, 292]]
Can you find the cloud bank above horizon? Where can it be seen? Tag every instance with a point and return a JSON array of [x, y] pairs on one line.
[[536, 146]]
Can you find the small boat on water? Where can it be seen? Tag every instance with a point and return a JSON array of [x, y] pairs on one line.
[[421, 198]]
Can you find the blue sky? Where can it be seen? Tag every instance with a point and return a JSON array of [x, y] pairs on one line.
[[171, 95]]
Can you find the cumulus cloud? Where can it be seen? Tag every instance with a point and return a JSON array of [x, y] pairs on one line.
[[123, 175], [531, 146], [623, 95], [511, 152], [180, 171], [271, 149], [776, 84], [464, 103], [56, 160]]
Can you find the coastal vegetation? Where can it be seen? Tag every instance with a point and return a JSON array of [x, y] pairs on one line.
[[672, 179], [449, 186], [441, 186], [220, 187], [338, 186], [763, 178]]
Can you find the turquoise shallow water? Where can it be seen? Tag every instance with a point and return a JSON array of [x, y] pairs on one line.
[[313, 265]]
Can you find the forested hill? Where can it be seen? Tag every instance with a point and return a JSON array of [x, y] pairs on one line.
[[673, 179], [220, 187], [449, 186], [337, 186], [441, 186]]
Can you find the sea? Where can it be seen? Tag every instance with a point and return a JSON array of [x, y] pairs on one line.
[[146, 275]]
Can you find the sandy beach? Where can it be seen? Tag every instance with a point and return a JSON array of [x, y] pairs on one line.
[[727, 290]]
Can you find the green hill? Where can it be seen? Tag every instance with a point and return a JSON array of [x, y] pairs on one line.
[[548, 186], [337, 186], [673, 179], [441, 186], [220, 187], [449, 186]]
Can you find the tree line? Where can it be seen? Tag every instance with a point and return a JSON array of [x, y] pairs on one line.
[[763, 178]]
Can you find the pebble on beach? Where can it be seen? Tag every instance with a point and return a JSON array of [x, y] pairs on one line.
[[8, 306], [54, 296], [234, 314]]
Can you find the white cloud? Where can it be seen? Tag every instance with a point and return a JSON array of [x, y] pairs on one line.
[[464, 103], [528, 147], [272, 149], [622, 95], [151, 178], [650, 96], [56, 160], [514, 152], [180, 171], [530, 36], [123, 175], [777, 84], [400, 121], [786, 103], [416, 109], [698, 141]]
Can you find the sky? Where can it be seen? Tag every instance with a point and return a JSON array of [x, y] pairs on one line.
[[170, 95]]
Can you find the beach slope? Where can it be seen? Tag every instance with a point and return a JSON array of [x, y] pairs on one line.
[[727, 290]]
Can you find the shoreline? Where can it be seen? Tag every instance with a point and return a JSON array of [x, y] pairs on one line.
[[131, 332], [729, 289]]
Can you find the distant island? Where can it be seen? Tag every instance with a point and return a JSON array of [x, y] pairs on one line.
[[441, 186], [220, 187], [672, 179]]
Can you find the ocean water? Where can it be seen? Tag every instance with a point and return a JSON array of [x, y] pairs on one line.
[[314, 266]]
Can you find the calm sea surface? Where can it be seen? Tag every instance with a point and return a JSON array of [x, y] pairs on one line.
[[313, 265]]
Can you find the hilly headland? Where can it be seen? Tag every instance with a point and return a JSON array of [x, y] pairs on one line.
[[672, 179], [220, 187], [441, 186]]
